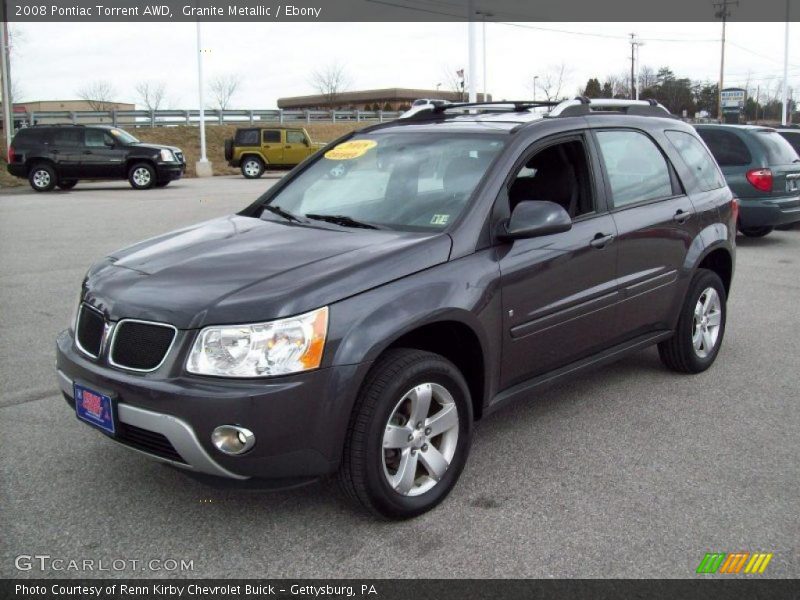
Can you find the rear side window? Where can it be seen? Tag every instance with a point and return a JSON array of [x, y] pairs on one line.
[[727, 147], [67, 137], [698, 159], [793, 138], [779, 151], [247, 137], [637, 171], [272, 136]]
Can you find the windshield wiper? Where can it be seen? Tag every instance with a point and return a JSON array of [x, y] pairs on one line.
[[277, 210], [342, 220]]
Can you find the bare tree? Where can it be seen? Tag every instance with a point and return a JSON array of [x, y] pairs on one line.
[[454, 81], [617, 86], [97, 94], [151, 93], [647, 77], [330, 81], [223, 89], [554, 81]]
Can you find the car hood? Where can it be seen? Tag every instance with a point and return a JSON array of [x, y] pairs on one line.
[[242, 269], [155, 146]]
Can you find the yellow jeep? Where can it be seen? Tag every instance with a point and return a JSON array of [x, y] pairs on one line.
[[253, 149]]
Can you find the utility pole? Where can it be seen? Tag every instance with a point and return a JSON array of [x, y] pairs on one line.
[[785, 94], [722, 13], [758, 100], [203, 166], [5, 72], [483, 38], [535, 77]]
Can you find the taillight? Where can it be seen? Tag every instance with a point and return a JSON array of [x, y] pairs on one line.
[[735, 209], [11, 154], [761, 179]]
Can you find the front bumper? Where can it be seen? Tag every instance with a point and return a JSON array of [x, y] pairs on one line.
[[170, 171], [769, 212], [299, 421]]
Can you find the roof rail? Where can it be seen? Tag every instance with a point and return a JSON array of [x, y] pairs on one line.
[[582, 106], [59, 125], [430, 112]]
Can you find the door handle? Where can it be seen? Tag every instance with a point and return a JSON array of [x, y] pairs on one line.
[[87, 151], [287, 146], [601, 240], [54, 151], [681, 216]]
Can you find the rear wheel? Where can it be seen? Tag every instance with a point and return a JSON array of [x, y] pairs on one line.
[[142, 176], [756, 232], [42, 177], [67, 184], [701, 326], [252, 167], [409, 434]]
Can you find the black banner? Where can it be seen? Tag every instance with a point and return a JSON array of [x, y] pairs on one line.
[[396, 10], [393, 589]]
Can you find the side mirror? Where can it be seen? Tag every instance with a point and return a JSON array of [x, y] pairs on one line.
[[533, 218]]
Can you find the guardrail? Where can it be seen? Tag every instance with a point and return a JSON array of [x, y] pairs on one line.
[[168, 118]]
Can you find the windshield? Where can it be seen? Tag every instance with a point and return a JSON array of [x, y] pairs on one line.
[[123, 136], [396, 180]]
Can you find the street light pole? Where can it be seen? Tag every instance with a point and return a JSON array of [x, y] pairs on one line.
[[535, 77], [203, 166]]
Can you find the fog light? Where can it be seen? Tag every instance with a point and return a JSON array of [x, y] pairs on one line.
[[232, 439]]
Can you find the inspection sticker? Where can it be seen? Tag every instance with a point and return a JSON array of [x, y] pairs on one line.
[[440, 219], [350, 150]]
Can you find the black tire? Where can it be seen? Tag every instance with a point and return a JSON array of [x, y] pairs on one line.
[[756, 232], [162, 184], [679, 353], [142, 176], [42, 177], [362, 474], [67, 184], [252, 167]]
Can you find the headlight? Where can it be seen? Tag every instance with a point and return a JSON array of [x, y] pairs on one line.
[[261, 349], [167, 156]]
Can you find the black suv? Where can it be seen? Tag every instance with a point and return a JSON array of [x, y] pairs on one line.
[[409, 279], [59, 155]]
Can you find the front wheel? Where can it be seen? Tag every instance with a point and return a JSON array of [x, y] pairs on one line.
[[701, 326], [409, 434], [142, 176], [756, 232]]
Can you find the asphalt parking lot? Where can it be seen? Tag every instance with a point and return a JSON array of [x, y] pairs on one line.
[[631, 471]]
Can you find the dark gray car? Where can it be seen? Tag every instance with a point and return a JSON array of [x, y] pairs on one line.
[[762, 170], [406, 281]]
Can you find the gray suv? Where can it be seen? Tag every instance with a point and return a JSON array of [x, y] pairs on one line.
[[762, 170], [405, 282]]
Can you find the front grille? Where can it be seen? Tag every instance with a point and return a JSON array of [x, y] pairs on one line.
[[90, 330], [141, 346], [148, 441]]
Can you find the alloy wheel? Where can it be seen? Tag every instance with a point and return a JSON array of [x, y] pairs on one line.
[[41, 178], [707, 322], [141, 177], [252, 168], [420, 439]]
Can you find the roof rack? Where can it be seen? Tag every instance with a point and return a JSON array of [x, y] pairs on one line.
[[431, 112], [582, 106], [59, 125]]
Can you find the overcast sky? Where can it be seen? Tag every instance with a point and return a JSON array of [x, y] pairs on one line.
[[53, 60]]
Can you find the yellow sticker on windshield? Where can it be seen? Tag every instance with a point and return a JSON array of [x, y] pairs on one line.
[[350, 150]]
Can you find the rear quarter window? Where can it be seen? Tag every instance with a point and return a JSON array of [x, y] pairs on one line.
[[247, 137], [778, 150], [706, 173], [727, 147]]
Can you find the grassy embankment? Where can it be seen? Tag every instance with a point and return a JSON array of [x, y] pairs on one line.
[[188, 139]]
